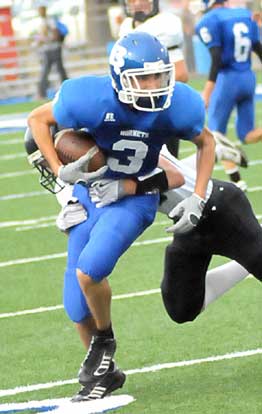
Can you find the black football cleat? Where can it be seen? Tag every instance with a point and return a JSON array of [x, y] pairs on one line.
[[98, 360], [98, 389]]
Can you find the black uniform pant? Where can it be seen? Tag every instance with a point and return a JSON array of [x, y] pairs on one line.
[[228, 228]]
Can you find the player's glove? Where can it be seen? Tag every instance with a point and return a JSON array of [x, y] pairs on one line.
[[72, 213], [186, 214], [104, 192], [75, 172]]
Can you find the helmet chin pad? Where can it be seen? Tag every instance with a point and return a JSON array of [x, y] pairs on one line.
[[140, 16]]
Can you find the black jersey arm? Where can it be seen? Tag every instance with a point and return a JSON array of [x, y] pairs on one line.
[[216, 63], [257, 48]]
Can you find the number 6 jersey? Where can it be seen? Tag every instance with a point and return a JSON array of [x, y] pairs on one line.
[[234, 31]]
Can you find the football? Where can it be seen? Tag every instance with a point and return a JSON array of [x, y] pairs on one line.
[[70, 145]]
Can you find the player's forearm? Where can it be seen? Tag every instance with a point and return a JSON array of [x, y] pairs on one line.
[[162, 181], [148, 185], [207, 92], [205, 162], [174, 177], [181, 71], [40, 121]]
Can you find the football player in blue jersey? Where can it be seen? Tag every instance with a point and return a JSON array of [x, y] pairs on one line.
[[130, 114], [230, 35]]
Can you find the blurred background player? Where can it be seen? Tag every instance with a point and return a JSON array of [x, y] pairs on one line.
[[49, 42], [188, 21], [145, 15], [231, 35]]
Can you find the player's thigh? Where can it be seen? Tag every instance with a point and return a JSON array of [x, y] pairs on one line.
[[237, 233], [110, 237], [221, 105], [183, 284], [77, 240]]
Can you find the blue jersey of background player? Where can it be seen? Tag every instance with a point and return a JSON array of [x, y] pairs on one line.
[[234, 31], [130, 119], [230, 35]]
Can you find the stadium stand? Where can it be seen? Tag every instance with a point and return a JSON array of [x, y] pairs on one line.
[[20, 80]]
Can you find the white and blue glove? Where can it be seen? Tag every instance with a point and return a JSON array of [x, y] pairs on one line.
[[186, 214], [76, 171], [106, 191], [72, 213]]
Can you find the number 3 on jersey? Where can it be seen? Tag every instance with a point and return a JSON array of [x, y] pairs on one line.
[[135, 161]]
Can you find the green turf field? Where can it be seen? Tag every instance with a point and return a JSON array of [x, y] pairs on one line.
[[43, 347]]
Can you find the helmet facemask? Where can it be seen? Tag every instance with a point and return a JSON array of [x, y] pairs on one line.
[[47, 178], [142, 10], [144, 99]]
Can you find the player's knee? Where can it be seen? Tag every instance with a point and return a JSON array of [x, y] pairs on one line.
[[94, 274], [95, 268], [179, 311], [181, 315], [74, 300], [76, 309]]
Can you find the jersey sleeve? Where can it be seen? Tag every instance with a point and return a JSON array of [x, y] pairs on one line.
[[255, 33], [192, 119], [61, 107], [209, 32], [176, 54], [168, 29], [125, 27]]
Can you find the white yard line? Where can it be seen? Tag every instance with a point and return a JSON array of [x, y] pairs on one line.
[[44, 309], [60, 255], [15, 223], [41, 193], [24, 195], [12, 156], [251, 164], [43, 222], [59, 307], [149, 369], [12, 141], [17, 174]]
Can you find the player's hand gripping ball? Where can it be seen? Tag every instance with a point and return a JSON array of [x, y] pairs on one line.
[[82, 160]]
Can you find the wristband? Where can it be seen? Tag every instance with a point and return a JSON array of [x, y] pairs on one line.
[[155, 183]]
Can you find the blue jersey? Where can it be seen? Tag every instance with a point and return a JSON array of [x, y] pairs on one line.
[[130, 138], [234, 31]]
